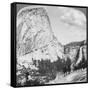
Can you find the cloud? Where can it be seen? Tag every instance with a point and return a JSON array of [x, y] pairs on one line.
[[73, 17], [68, 24]]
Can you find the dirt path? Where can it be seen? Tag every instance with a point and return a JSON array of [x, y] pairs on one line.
[[76, 76]]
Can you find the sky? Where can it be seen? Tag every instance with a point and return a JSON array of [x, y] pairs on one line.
[[68, 24]]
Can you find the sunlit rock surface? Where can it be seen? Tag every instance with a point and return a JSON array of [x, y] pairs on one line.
[[35, 33]]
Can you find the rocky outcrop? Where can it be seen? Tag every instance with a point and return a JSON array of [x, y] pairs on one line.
[[34, 33], [77, 52]]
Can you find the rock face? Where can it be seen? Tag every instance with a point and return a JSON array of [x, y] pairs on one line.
[[34, 33], [76, 51]]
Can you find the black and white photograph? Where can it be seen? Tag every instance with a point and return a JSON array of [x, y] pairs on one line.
[[51, 45]]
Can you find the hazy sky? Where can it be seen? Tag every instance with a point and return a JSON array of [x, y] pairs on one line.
[[68, 24]]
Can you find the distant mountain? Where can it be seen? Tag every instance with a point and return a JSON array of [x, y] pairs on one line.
[[72, 44]]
